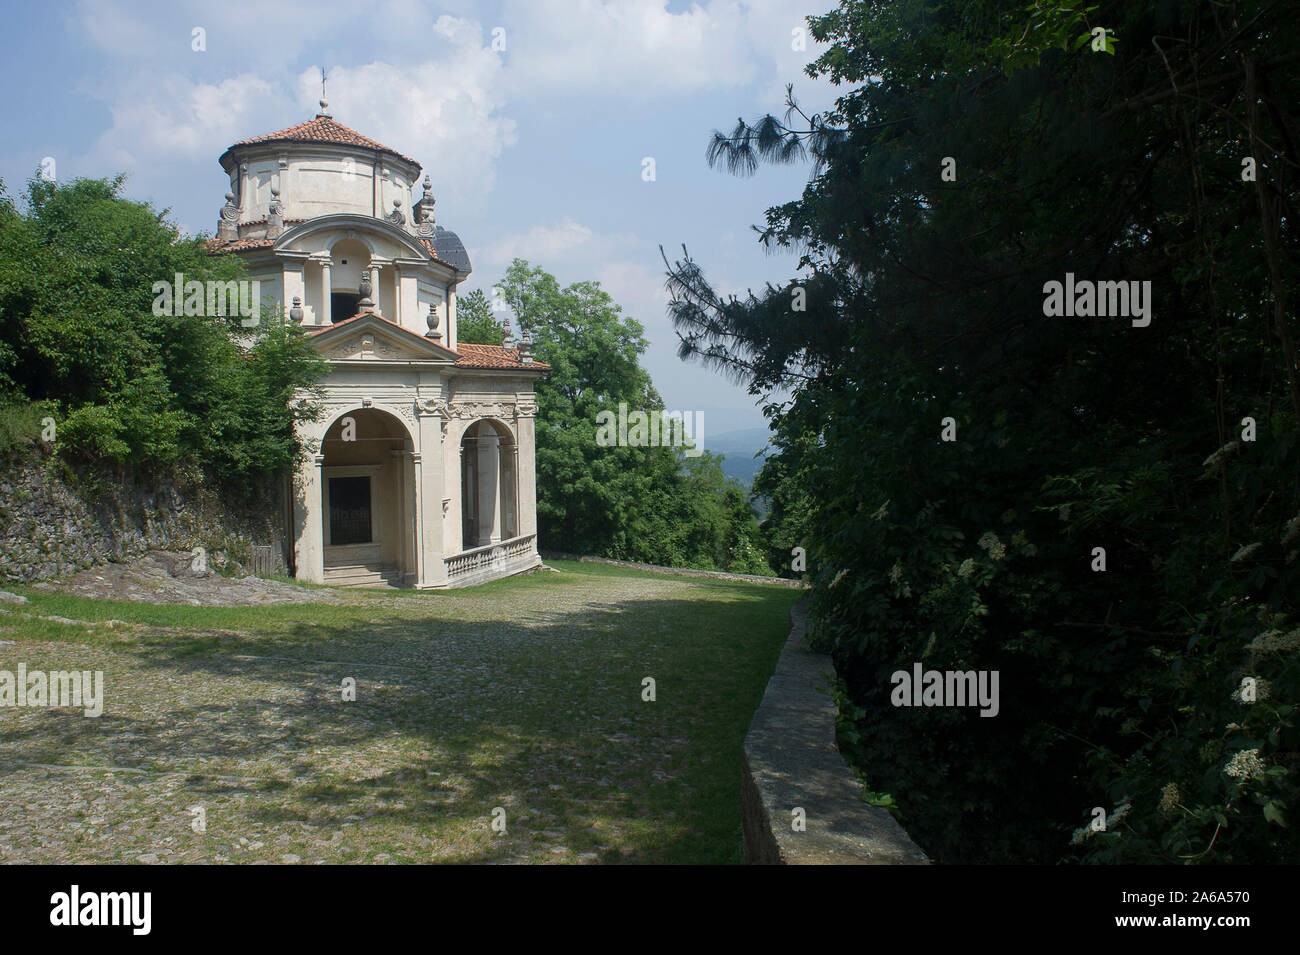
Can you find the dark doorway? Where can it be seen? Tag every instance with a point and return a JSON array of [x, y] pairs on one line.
[[349, 510], [468, 493], [343, 305]]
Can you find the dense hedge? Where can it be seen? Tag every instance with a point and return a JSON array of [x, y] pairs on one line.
[[1126, 688]]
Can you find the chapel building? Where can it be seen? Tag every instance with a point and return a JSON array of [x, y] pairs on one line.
[[421, 471]]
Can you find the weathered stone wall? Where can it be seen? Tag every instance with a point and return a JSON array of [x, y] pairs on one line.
[[50, 526], [791, 762]]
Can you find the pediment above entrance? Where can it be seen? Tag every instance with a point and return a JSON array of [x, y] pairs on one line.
[[370, 337]]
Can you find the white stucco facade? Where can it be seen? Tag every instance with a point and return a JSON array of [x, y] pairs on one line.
[[421, 469]]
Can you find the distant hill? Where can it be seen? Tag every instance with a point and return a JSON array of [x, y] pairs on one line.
[[738, 449]]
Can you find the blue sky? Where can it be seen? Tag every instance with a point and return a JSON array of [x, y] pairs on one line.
[[534, 151]]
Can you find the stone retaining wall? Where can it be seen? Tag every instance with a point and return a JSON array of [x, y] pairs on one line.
[[50, 527], [791, 762], [677, 571]]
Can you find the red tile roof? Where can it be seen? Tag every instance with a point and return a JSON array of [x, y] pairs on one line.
[[323, 129], [238, 245], [493, 356]]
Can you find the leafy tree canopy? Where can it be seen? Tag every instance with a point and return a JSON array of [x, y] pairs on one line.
[[652, 504], [78, 334]]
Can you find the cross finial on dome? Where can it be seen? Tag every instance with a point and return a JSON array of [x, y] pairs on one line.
[[324, 106]]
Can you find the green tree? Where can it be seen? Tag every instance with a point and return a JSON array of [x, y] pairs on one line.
[[925, 312], [651, 504], [474, 321], [78, 332]]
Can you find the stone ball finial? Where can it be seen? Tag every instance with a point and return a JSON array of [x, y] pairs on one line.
[[324, 109]]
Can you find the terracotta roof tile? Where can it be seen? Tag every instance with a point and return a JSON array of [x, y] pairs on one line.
[[493, 356], [238, 245], [323, 129]]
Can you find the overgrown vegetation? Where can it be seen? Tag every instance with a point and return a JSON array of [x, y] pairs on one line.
[[1129, 688], [81, 345]]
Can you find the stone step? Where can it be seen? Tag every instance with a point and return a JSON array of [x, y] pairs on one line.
[[362, 575]]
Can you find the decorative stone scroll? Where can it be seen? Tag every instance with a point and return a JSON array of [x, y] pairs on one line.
[[228, 220], [433, 406], [274, 215], [481, 409]]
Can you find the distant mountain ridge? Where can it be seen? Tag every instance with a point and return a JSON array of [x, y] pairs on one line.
[[738, 450]]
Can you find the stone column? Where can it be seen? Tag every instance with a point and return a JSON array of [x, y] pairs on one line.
[[452, 518], [374, 289], [428, 482], [403, 517], [326, 288], [526, 479], [489, 486], [309, 520], [510, 492]]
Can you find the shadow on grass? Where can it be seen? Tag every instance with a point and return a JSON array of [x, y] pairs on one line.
[[542, 717]]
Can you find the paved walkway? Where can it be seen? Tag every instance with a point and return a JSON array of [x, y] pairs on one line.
[[523, 700]]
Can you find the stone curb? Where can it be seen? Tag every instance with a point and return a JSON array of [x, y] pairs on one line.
[[791, 761]]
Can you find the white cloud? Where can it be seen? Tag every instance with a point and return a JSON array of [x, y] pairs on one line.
[[638, 288], [444, 113], [251, 33], [639, 49], [541, 245], [159, 118], [630, 47]]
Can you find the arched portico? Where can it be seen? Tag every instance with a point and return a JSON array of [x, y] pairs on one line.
[[359, 512], [489, 484]]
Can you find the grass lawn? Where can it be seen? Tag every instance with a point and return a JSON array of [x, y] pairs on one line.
[[523, 695]]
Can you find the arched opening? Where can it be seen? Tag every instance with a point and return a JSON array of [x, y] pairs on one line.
[[348, 260], [489, 491], [368, 515]]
